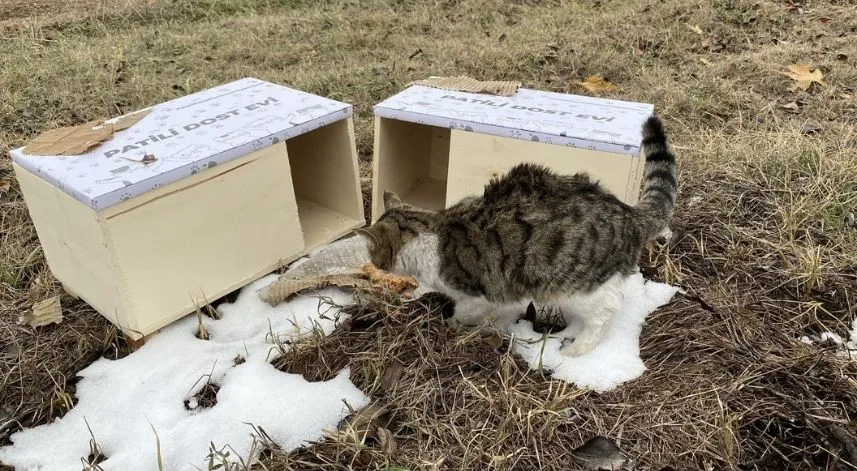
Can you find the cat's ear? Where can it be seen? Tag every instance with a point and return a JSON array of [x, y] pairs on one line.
[[368, 233], [391, 200]]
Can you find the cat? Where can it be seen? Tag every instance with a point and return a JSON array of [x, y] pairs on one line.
[[533, 236]]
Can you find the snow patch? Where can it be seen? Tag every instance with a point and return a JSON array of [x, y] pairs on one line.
[[616, 359], [123, 400]]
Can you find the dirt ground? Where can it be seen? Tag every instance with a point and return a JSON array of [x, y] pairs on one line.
[[764, 239]]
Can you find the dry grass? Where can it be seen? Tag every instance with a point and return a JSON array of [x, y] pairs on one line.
[[764, 241]]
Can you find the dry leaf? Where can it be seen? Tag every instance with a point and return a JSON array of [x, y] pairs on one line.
[[148, 159], [695, 28], [5, 185], [387, 441], [597, 84], [74, 140], [48, 311], [365, 422], [803, 77], [391, 375], [389, 281]]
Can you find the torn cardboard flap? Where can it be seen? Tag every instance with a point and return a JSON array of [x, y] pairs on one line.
[[467, 84], [76, 140], [124, 122], [48, 311]]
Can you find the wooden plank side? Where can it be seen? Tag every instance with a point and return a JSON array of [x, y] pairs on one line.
[[75, 247], [439, 151], [476, 158], [635, 180], [402, 164], [209, 238], [327, 182]]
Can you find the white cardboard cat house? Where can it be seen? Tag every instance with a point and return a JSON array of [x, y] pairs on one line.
[[204, 194], [435, 146]]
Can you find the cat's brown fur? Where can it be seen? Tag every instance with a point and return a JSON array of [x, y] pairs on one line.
[[533, 235]]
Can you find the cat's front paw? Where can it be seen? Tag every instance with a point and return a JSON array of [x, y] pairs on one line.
[[575, 347], [435, 301]]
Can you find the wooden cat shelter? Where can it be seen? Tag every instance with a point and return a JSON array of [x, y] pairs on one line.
[[201, 196], [435, 146]]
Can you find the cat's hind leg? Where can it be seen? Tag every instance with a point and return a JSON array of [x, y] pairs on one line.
[[589, 316]]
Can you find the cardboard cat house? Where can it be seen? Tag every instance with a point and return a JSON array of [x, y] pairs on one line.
[[200, 196], [434, 146]]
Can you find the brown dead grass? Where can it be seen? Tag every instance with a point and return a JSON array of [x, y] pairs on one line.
[[763, 244]]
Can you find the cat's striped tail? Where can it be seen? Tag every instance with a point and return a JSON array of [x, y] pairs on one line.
[[657, 201]]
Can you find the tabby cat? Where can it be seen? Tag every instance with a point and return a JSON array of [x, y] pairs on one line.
[[533, 235]]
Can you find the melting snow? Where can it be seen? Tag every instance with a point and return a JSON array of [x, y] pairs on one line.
[[123, 400], [616, 359]]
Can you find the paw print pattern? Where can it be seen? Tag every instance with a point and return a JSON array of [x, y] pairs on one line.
[[194, 169], [125, 196]]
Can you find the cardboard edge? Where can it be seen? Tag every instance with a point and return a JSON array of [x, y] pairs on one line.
[[432, 120], [462, 83], [633, 105]]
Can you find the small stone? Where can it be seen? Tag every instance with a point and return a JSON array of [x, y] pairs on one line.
[[810, 128], [792, 107], [600, 453]]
